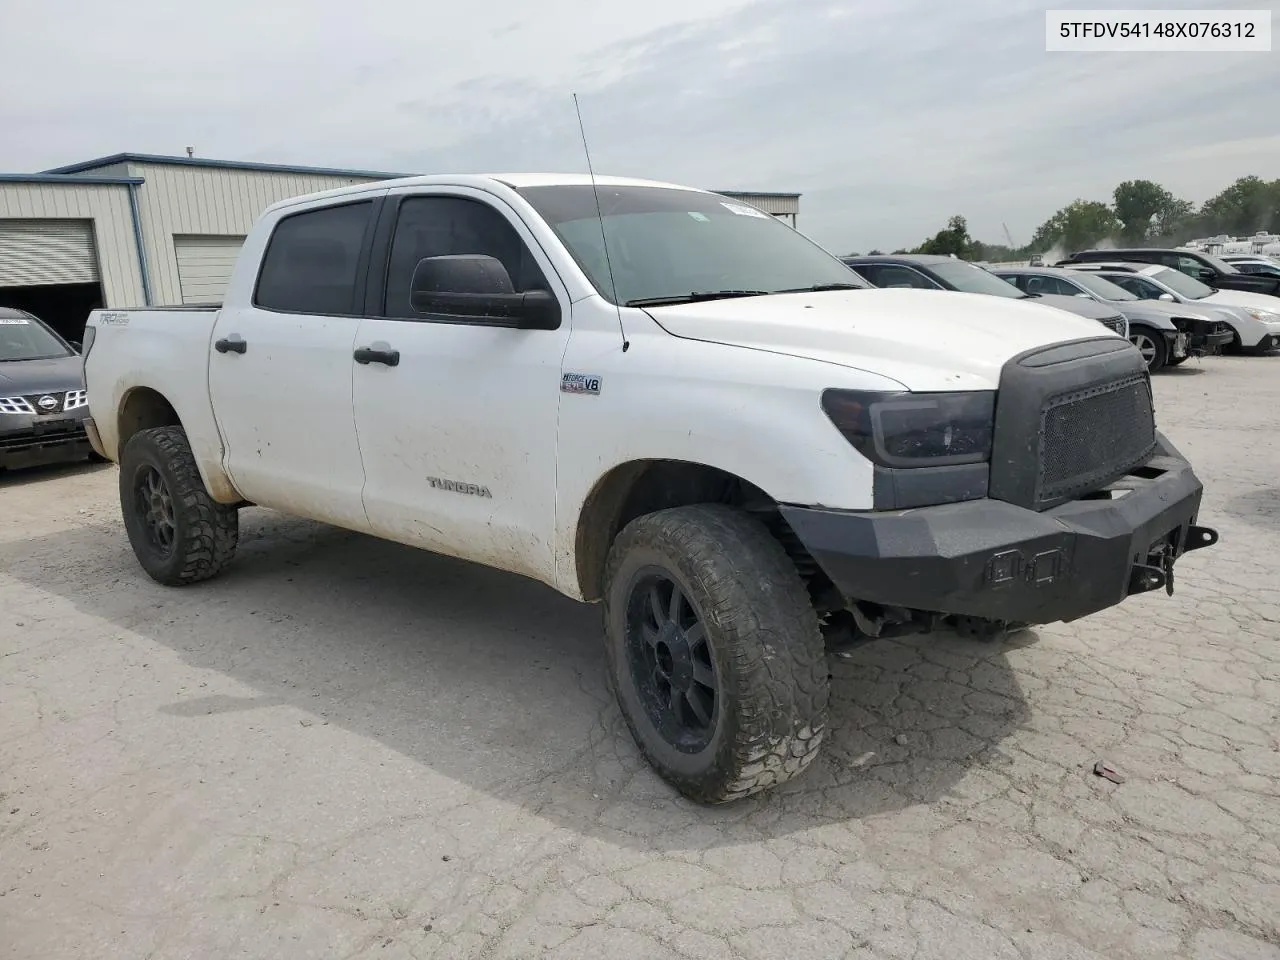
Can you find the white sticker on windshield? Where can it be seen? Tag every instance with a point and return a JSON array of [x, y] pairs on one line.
[[700, 217], [743, 211], [12, 321]]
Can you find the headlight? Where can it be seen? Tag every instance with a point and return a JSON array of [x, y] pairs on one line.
[[915, 429], [1266, 316]]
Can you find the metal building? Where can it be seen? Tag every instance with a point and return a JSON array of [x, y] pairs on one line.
[[784, 206], [135, 229]]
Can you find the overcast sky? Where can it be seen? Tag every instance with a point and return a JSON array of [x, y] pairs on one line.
[[887, 115]]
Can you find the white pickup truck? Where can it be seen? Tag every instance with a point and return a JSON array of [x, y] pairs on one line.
[[661, 399]]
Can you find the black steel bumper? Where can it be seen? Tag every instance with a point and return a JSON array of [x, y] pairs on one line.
[[993, 560], [27, 441]]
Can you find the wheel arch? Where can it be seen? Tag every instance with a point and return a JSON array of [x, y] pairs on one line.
[[143, 407], [639, 487]]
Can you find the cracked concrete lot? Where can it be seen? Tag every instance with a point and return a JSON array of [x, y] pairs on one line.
[[346, 748]]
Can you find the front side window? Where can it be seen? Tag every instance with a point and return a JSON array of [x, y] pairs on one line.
[[894, 275], [440, 226], [665, 242], [1197, 270], [311, 260], [1140, 287], [27, 339]]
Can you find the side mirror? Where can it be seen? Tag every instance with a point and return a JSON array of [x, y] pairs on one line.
[[1167, 297], [477, 286]]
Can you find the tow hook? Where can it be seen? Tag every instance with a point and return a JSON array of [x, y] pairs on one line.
[[1200, 537], [1157, 572]]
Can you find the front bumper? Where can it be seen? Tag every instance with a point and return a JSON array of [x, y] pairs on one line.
[[27, 440], [996, 561]]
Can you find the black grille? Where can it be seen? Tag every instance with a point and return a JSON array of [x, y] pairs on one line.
[[1092, 436], [1114, 323]]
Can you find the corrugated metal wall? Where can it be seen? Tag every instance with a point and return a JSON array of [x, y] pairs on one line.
[[768, 202], [108, 208], [209, 201]]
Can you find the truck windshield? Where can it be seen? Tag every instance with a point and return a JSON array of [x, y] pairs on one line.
[[666, 243], [1181, 284], [23, 339]]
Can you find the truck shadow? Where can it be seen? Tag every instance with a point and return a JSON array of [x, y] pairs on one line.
[[24, 476], [498, 682]]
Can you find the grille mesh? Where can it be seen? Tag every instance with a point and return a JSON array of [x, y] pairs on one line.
[[1090, 437]]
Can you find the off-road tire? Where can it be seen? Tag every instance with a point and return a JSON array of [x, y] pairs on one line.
[[764, 639], [205, 532]]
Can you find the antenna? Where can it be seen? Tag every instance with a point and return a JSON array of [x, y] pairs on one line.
[[604, 241]]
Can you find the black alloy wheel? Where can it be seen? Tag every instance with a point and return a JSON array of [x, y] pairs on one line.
[[155, 507], [670, 657]]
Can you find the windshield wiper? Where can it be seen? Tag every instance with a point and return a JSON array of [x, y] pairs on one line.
[[823, 288], [695, 297]]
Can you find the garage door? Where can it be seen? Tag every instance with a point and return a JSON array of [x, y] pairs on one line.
[[34, 252], [204, 266]]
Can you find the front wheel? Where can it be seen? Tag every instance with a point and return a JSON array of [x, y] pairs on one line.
[[715, 652], [178, 532], [1151, 345]]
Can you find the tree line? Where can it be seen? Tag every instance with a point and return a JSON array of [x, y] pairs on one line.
[[1141, 213]]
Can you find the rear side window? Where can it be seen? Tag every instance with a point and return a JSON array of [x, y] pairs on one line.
[[311, 260]]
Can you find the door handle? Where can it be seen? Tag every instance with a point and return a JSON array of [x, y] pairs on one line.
[[378, 353], [231, 344]]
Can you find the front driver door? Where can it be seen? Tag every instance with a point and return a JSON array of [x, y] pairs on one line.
[[280, 366], [459, 436]]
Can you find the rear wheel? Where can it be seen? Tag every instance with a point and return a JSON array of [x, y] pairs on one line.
[[178, 532], [1151, 345], [715, 653]]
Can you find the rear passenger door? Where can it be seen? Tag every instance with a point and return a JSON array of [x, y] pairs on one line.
[[459, 434], [280, 364]]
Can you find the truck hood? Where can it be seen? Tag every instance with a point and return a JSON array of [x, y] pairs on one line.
[[1242, 298], [19, 377], [924, 339]]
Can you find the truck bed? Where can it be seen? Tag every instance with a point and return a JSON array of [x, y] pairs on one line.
[[161, 349]]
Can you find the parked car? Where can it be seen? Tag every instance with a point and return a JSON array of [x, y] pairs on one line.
[[1165, 335], [42, 396], [710, 425], [1204, 267], [1254, 264], [928, 272], [1253, 322]]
